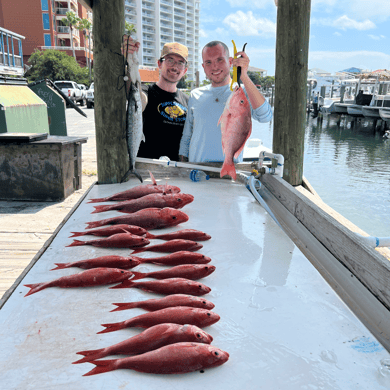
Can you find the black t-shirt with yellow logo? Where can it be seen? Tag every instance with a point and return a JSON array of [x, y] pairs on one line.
[[163, 122]]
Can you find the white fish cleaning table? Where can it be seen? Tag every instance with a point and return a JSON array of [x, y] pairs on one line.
[[282, 324]]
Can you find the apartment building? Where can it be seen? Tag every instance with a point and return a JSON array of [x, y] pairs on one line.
[[160, 21], [40, 22]]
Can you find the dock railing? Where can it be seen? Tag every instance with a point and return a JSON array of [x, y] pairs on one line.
[[11, 53]]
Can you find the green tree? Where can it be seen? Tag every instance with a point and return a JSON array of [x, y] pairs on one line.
[[205, 82], [183, 82], [85, 26], [55, 65], [71, 20]]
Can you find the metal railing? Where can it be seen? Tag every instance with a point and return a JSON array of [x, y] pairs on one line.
[[10, 61]]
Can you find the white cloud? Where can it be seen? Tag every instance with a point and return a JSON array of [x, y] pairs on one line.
[[202, 33], [376, 37], [337, 34], [246, 24], [378, 10], [345, 23], [251, 3]]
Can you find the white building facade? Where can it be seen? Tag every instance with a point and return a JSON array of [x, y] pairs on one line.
[[160, 21]]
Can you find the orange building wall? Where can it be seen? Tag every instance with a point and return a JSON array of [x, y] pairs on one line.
[[149, 76]]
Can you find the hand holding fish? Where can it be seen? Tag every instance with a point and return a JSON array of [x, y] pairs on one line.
[[242, 61], [129, 45]]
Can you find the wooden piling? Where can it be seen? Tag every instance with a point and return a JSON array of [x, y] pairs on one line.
[[292, 47], [110, 100]]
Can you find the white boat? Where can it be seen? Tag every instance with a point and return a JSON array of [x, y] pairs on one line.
[[327, 105], [371, 112], [253, 148], [355, 110], [341, 108], [385, 114]]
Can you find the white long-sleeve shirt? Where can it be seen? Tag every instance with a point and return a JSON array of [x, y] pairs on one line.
[[202, 139]]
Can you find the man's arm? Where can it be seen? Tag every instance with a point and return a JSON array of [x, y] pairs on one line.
[[187, 134]]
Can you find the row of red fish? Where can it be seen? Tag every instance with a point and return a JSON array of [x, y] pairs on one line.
[[173, 333]]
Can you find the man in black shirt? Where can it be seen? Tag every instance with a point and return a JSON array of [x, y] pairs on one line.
[[166, 107]]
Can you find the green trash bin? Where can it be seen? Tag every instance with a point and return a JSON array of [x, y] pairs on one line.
[[55, 106]]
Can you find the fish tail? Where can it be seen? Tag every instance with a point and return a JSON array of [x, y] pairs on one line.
[[95, 224], [78, 234], [131, 171], [138, 250], [137, 275], [100, 209], [101, 366], [90, 355], [97, 200], [125, 306], [150, 235], [228, 169], [34, 288], [77, 243], [113, 327], [60, 266], [124, 284]]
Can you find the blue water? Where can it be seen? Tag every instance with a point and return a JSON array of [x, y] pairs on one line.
[[349, 168]]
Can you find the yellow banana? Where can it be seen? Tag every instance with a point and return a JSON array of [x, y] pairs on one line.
[[234, 80]]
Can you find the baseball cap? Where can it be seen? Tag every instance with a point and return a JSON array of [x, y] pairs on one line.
[[175, 48]]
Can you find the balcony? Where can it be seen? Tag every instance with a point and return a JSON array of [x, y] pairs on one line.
[[63, 29], [62, 11]]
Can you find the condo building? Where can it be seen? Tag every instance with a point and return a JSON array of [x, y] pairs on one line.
[[41, 23], [160, 21]]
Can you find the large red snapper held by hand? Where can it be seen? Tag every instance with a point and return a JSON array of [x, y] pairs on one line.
[[152, 218], [168, 301], [176, 201], [179, 358], [120, 240], [176, 315], [168, 286], [89, 278], [236, 128], [150, 339]]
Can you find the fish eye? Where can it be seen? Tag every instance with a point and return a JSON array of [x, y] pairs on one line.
[[209, 314], [204, 302], [241, 102], [216, 353], [122, 272], [198, 335], [199, 285], [173, 217], [179, 199]]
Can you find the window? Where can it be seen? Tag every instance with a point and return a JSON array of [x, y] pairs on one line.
[[47, 39], [46, 21], [45, 5]]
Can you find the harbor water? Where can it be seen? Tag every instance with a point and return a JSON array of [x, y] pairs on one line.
[[348, 166]]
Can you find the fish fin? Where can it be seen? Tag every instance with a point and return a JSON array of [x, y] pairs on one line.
[[90, 355], [60, 266], [228, 168], [149, 235], [77, 243], [153, 179], [101, 366], [94, 224], [127, 175], [34, 288], [124, 306], [124, 284], [113, 327], [100, 209], [78, 234]]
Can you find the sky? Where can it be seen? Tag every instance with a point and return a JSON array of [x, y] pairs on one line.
[[343, 33]]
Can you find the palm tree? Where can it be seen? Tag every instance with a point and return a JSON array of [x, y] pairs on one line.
[[86, 27], [71, 20]]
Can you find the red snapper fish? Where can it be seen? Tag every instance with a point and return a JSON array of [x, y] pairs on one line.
[[120, 240], [168, 301], [103, 261], [110, 230], [152, 218], [150, 339], [176, 315], [187, 271], [167, 360], [177, 258], [236, 128], [176, 201], [89, 278], [171, 246], [168, 286], [185, 234]]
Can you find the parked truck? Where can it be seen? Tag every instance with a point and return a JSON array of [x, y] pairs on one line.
[[72, 90]]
